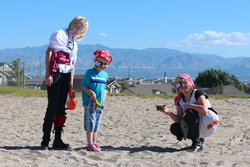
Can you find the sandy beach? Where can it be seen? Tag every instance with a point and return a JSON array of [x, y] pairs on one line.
[[132, 134]]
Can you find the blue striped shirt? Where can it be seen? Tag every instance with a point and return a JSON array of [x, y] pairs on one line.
[[95, 81]]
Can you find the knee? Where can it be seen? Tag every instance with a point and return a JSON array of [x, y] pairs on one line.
[[59, 120], [175, 128]]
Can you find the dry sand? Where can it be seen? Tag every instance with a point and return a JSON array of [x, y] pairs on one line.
[[132, 133]]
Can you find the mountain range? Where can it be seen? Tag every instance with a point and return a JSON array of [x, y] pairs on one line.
[[133, 63]]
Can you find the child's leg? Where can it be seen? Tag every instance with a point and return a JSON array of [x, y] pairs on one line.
[[94, 141], [98, 117], [94, 137], [89, 135], [91, 138], [89, 121]]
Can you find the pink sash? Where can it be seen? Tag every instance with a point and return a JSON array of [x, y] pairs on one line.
[[58, 58]]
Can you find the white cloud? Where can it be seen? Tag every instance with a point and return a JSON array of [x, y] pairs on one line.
[[102, 34], [210, 37]]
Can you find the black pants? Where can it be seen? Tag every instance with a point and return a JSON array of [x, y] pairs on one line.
[[57, 96], [192, 119]]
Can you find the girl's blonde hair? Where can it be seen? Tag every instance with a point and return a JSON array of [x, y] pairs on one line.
[[190, 87], [80, 20]]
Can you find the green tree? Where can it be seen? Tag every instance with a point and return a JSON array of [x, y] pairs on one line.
[[124, 84], [213, 77], [17, 74]]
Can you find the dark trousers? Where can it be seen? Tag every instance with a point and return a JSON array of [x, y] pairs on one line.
[[57, 96], [192, 119]]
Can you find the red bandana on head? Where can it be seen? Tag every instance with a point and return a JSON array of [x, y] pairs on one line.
[[187, 77]]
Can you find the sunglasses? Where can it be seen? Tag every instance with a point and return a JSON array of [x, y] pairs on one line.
[[99, 63], [105, 63], [179, 84]]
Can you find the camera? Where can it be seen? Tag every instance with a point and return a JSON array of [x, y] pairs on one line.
[[158, 108], [70, 45]]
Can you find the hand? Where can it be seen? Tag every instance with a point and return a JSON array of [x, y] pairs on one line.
[[72, 94], [92, 95], [48, 80], [166, 110], [186, 108]]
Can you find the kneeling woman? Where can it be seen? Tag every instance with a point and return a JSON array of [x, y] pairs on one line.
[[195, 117]]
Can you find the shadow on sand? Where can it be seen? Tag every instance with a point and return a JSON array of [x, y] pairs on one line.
[[21, 147], [143, 148], [29, 148], [107, 148]]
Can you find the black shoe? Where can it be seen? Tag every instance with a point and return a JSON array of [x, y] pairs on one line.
[[44, 145], [202, 140], [197, 145], [60, 145], [197, 148], [179, 138]]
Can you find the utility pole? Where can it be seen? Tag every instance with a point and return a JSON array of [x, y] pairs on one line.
[[129, 72]]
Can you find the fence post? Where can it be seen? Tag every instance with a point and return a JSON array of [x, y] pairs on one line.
[[3, 75], [23, 75]]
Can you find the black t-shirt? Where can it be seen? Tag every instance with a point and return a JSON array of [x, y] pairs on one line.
[[199, 93]]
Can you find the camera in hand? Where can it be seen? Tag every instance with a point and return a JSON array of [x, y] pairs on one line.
[[158, 108]]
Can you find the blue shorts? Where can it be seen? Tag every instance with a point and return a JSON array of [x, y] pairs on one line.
[[92, 116]]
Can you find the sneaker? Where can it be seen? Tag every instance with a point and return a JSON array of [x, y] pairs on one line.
[[97, 146], [93, 147]]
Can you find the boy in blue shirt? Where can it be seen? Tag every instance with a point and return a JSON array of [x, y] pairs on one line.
[[93, 87]]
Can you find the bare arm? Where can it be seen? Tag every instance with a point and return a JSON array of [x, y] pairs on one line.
[[105, 95], [48, 78], [201, 107], [91, 93], [175, 117], [72, 75]]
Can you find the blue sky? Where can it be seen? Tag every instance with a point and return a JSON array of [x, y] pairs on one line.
[[219, 27]]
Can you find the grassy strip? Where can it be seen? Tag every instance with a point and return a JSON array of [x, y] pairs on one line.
[[16, 91], [173, 95], [227, 97], [144, 95]]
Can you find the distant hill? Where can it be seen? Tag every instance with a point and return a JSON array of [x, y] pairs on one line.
[[146, 63]]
